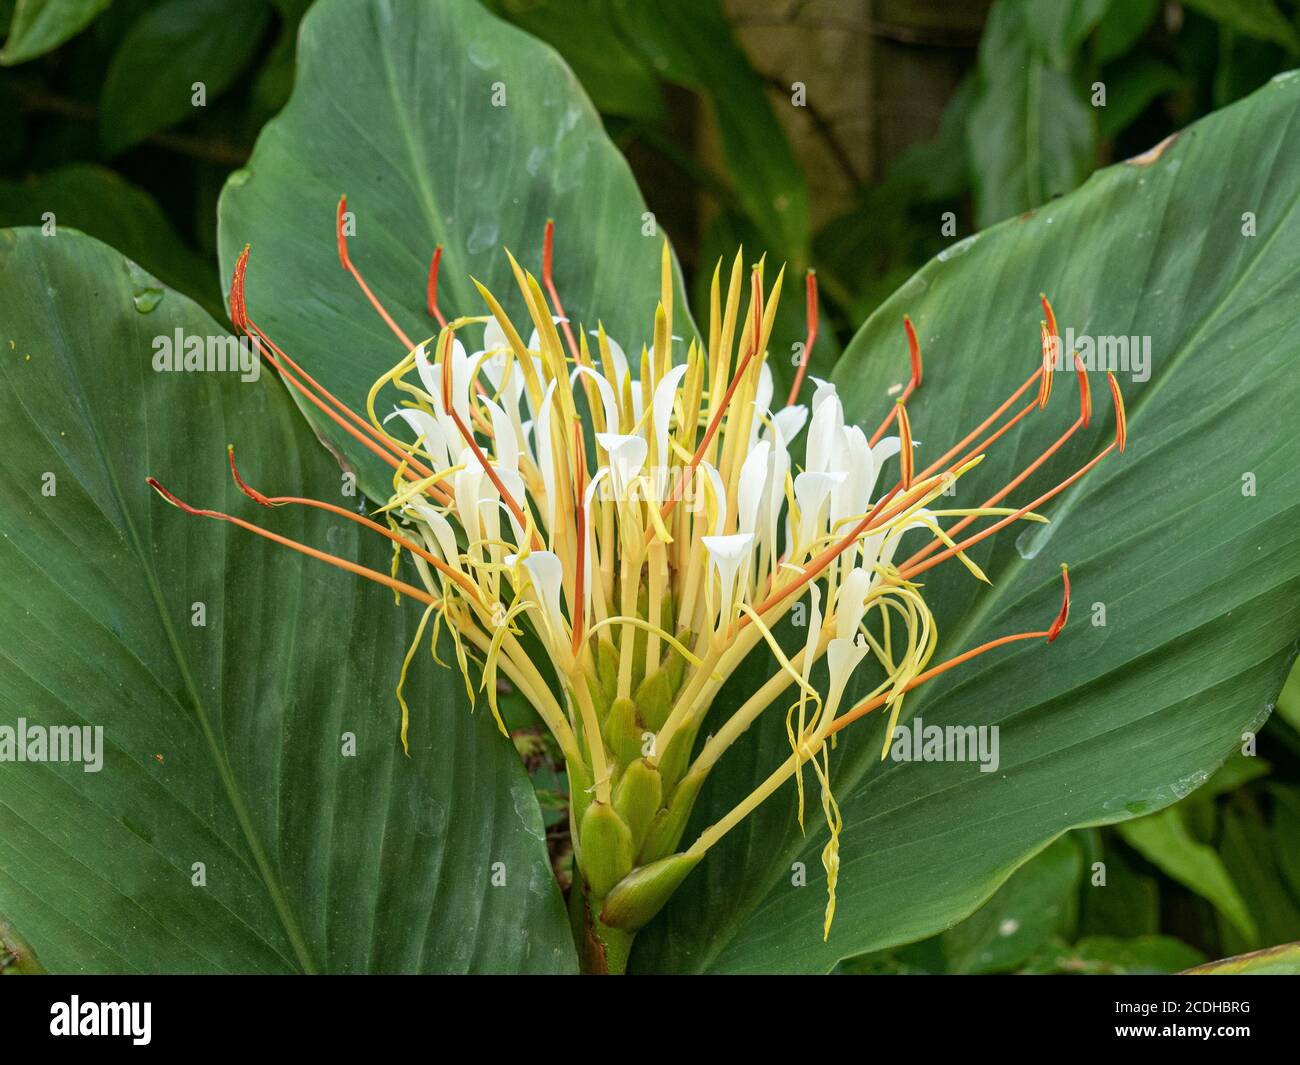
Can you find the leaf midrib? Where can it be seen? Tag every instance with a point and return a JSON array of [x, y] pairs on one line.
[[278, 897]]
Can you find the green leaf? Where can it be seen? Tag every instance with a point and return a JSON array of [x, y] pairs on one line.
[[1199, 580], [1122, 25], [1288, 703], [1247, 852], [223, 743], [1286, 830], [1258, 18], [1113, 956], [425, 159], [1030, 128], [39, 26], [102, 204], [1132, 85], [152, 78], [1272, 961], [1164, 840], [613, 71], [693, 46], [1126, 903], [1038, 902]]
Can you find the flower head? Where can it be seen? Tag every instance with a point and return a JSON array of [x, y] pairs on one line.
[[650, 519]]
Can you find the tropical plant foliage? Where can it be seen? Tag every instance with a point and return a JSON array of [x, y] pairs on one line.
[[1145, 812]]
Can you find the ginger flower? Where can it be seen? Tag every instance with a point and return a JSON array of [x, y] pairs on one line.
[[650, 519]]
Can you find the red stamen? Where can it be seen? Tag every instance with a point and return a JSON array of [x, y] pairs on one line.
[[913, 350], [346, 260], [1050, 315], [431, 289], [390, 453], [252, 493], [811, 291], [1061, 618], [238, 305], [907, 573], [906, 460], [1121, 420], [1085, 391], [1010, 487], [360, 519], [914, 382], [1121, 435], [1049, 365], [548, 279]]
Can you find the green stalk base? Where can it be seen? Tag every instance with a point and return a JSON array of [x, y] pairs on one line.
[[602, 950]]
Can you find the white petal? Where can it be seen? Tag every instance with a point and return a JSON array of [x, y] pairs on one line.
[[825, 433], [811, 492], [542, 445], [627, 456], [850, 605], [665, 392], [607, 397], [843, 656], [788, 421], [728, 553], [424, 424], [494, 336], [442, 532], [755, 479], [503, 432], [853, 495], [719, 496], [547, 574]]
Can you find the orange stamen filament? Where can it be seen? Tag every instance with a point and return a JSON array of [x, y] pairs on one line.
[[548, 279], [811, 289], [319, 504], [390, 453], [1050, 634], [402, 587], [346, 260], [942, 459], [431, 287], [997, 497]]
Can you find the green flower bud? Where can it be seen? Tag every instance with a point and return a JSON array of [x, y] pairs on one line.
[[641, 894], [604, 848], [667, 827], [637, 797], [623, 731]]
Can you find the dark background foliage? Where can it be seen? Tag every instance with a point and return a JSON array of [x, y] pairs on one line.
[[857, 138]]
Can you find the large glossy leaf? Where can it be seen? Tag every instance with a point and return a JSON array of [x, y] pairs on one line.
[[225, 743], [1197, 577], [396, 105]]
